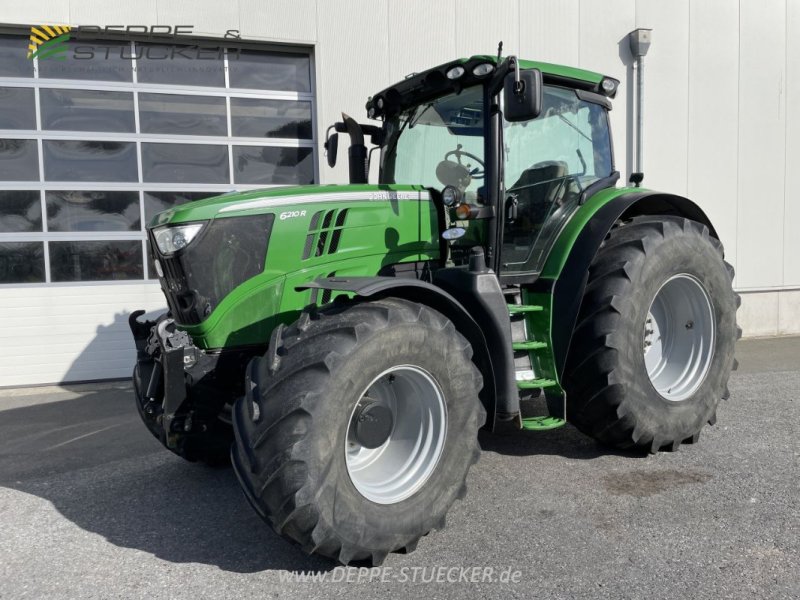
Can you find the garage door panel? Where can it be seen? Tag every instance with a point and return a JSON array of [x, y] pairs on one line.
[[19, 160], [87, 110], [20, 211], [96, 210], [22, 262], [17, 108], [93, 149], [182, 114], [89, 160], [185, 163]]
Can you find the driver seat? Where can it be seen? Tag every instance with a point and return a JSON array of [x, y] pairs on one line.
[[539, 190]]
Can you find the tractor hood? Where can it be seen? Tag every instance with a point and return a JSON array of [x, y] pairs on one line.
[[225, 262], [283, 200]]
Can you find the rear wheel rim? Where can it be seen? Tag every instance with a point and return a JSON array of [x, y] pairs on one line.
[[402, 464], [679, 337]]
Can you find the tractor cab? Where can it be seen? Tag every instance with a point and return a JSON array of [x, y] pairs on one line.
[[509, 147]]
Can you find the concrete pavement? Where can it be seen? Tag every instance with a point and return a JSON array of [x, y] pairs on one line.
[[92, 506]]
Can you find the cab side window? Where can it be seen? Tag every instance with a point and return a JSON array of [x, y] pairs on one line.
[[549, 161]]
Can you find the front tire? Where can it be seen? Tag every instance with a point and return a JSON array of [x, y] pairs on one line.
[[358, 495], [653, 346]]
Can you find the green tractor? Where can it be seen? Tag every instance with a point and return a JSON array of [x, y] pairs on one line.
[[342, 345]]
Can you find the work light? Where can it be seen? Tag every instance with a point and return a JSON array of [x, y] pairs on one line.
[[455, 72], [483, 69], [609, 86]]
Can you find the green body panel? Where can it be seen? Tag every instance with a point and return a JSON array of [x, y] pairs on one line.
[[201, 210], [539, 322], [563, 246], [542, 423], [384, 225]]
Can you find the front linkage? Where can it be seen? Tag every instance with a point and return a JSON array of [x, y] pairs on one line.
[[177, 391]]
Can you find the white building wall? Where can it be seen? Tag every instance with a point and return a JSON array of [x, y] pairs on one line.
[[722, 111], [70, 332]]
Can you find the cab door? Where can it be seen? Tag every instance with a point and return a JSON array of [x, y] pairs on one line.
[[547, 163]]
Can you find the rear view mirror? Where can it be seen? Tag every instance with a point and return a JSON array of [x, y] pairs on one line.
[[331, 148], [523, 97]]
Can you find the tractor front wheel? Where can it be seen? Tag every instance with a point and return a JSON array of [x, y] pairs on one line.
[[358, 428], [653, 347]]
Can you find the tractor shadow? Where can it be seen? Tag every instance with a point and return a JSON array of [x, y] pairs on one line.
[[91, 458], [566, 442]]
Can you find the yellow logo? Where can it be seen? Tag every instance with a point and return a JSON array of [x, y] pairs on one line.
[[48, 41]]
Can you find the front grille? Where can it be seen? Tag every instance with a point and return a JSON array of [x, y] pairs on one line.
[[226, 253], [176, 289]]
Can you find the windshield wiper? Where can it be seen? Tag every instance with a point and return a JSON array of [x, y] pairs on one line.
[[414, 118], [409, 122], [575, 127]]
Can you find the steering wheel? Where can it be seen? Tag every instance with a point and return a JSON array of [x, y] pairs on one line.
[[476, 173]]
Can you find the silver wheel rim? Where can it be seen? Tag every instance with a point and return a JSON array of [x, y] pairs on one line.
[[679, 336], [401, 465]]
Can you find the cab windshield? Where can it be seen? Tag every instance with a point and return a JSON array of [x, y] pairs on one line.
[[438, 143]]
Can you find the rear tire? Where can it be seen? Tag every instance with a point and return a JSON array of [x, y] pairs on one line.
[[651, 270], [293, 428]]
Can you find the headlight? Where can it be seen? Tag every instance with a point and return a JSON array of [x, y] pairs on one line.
[[453, 233], [451, 196], [483, 69], [171, 239]]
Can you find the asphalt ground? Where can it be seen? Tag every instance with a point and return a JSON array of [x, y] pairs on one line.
[[92, 507]]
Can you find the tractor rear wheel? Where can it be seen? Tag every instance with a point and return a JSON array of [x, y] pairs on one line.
[[358, 428], [653, 346]]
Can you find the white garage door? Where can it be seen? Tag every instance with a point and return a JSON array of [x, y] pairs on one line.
[[91, 147]]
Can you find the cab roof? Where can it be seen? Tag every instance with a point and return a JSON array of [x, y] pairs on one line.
[[551, 69], [420, 87]]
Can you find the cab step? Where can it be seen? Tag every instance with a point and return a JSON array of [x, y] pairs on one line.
[[533, 384], [542, 423], [515, 309], [528, 345]]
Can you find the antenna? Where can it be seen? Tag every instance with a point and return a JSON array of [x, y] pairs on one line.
[[499, 51]]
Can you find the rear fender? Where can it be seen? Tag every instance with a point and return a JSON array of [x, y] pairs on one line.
[[567, 268]]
